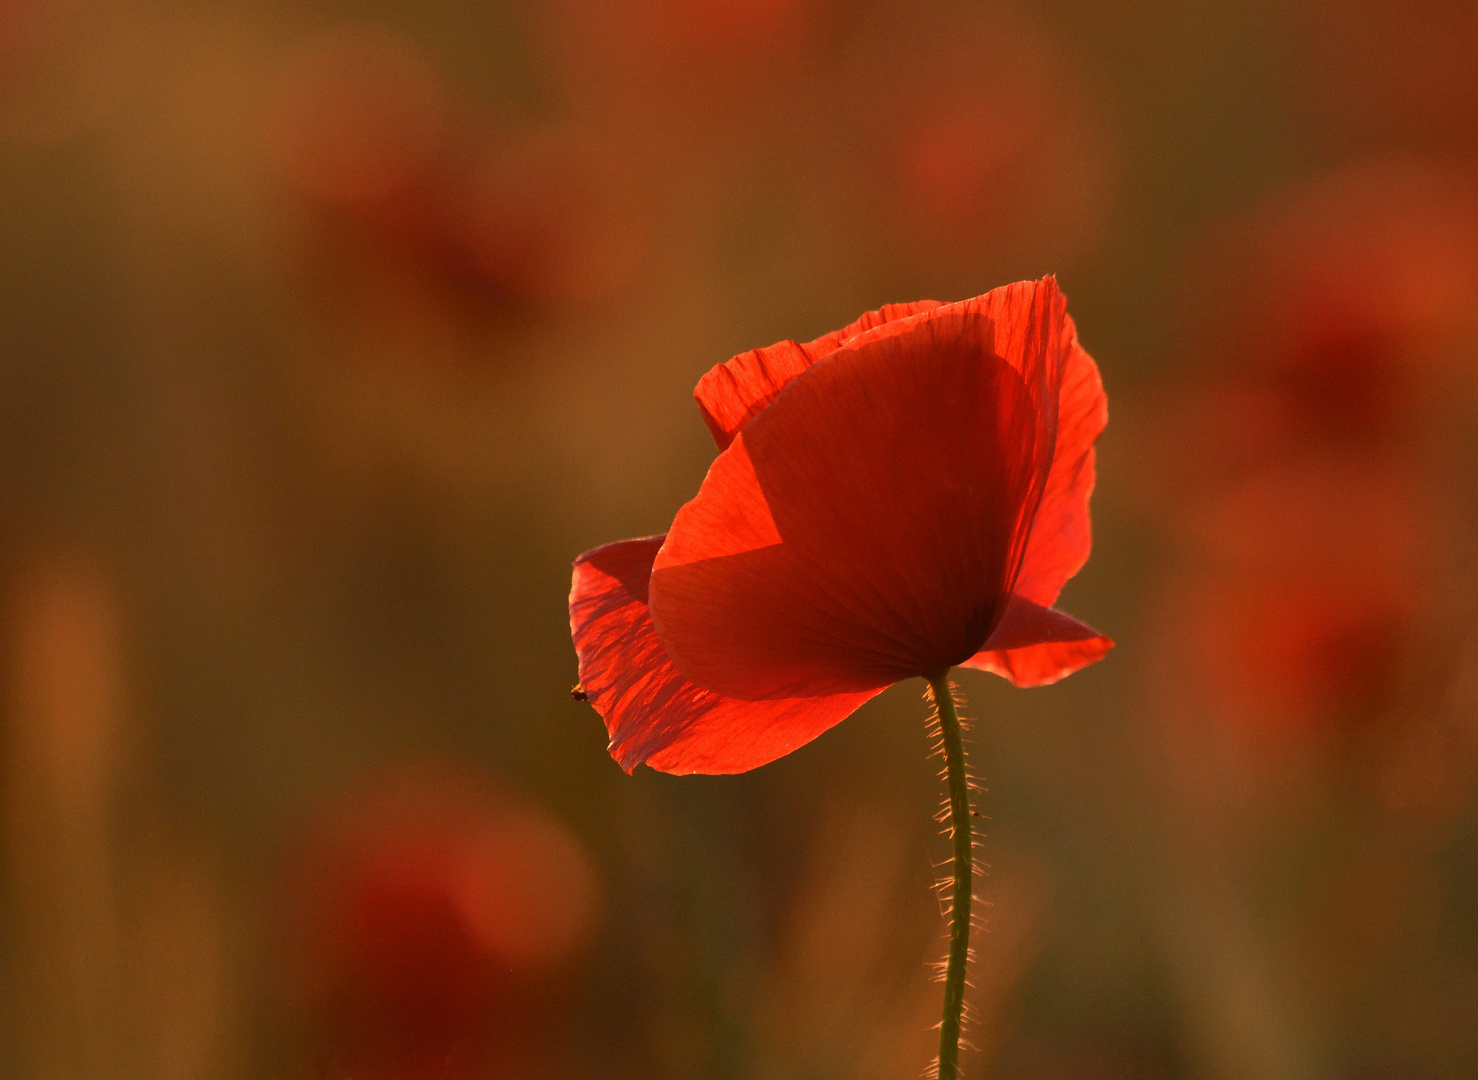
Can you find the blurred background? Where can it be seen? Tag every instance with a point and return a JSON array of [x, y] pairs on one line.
[[331, 332]]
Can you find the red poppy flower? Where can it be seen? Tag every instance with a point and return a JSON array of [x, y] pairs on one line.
[[901, 496]]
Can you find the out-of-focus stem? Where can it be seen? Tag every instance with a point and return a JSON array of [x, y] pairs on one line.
[[960, 829]]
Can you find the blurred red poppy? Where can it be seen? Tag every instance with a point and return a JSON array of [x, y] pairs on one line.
[[970, 142], [903, 495], [428, 918], [1287, 621], [361, 128], [670, 55], [1367, 285], [1364, 286]]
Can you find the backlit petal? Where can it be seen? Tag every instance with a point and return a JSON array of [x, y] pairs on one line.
[[735, 392], [1034, 645], [1061, 534], [652, 713], [900, 473]]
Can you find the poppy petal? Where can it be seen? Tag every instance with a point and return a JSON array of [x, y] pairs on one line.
[[900, 474], [1061, 533], [1034, 645], [735, 392], [652, 713]]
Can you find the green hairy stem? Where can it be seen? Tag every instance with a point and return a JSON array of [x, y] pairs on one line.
[[960, 829]]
